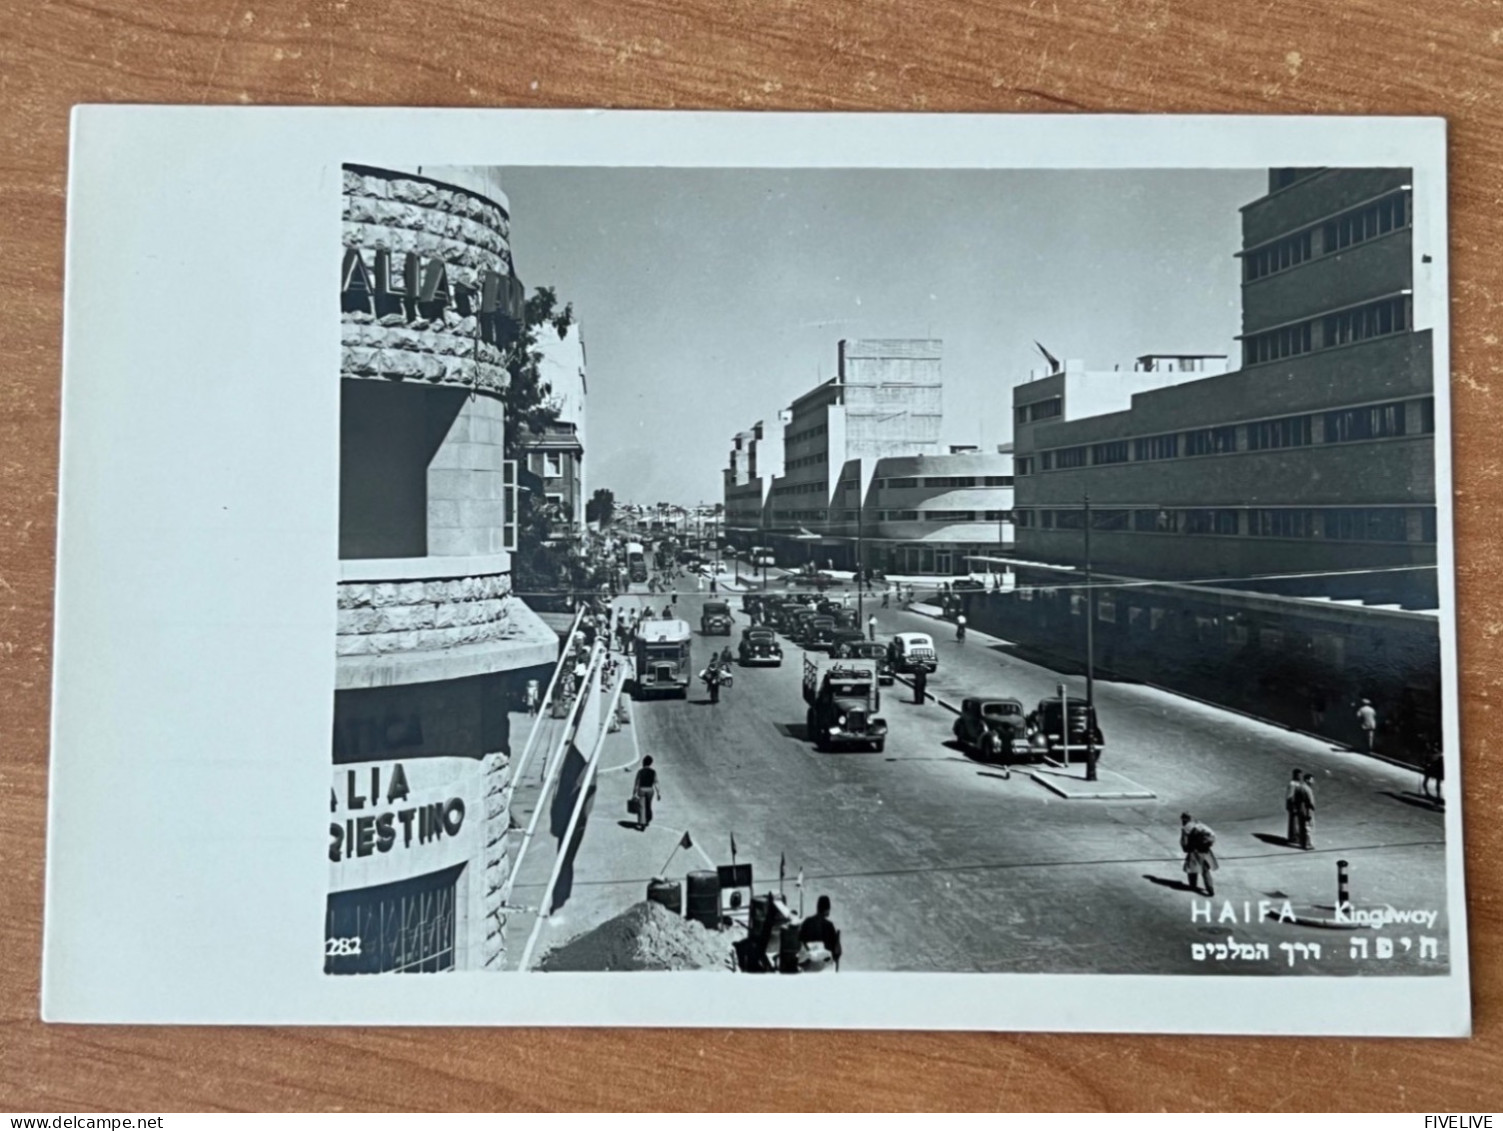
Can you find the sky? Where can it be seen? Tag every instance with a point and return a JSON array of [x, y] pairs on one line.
[[709, 299]]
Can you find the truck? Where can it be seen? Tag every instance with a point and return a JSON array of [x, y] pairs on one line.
[[661, 651], [843, 699], [636, 561]]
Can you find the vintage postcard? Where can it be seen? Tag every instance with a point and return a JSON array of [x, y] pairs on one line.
[[697, 569]]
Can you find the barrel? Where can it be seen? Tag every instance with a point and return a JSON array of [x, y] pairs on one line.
[[788, 948], [669, 893], [704, 898]]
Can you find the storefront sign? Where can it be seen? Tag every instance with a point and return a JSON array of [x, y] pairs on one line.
[[377, 811], [415, 286]]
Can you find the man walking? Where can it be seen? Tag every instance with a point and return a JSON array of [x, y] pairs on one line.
[[1367, 719], [645, 788], [1195, 841], [1290, 793], [871, 626], [920, 682], [1306, 802]]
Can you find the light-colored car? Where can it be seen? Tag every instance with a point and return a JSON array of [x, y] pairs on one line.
[[912, 652]]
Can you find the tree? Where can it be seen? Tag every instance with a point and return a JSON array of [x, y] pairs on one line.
[[601, 507], [529, 410]]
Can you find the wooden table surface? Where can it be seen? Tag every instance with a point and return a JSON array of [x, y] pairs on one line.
[[1352, 56]]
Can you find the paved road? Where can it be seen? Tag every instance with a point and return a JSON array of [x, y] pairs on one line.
[[935, 862]]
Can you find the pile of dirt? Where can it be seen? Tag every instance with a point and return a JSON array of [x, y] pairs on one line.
[[646, 936]]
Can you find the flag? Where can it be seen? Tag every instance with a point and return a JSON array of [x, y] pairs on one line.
[[800, 880], [1053, 361], [684, 841], [782, 867], [733, 846]]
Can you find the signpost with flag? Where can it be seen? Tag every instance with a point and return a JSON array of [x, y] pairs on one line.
[[685, 841]]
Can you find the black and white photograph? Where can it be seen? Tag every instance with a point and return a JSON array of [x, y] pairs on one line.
[[1026, 565]]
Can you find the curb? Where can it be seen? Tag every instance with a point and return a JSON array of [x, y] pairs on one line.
[[1140, 793]]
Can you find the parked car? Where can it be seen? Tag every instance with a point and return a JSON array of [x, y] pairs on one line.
[[716, 619], [1003, 716], [1049, 737], [818, 634], [760, 646], [913, 651], [842, 638], [872, 650]]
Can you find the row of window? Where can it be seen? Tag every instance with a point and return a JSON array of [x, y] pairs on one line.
[[925, 516], [1373, 320], [1369, 422], [945, 482], [806, 434], [1355, 226], [1347, 524], [807, 461], [1041, 410], [814, 487]]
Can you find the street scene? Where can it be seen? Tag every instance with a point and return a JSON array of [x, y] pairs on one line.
[[769, 611]]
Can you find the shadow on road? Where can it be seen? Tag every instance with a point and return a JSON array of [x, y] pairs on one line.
[[1177, 885], [797, 731], [1280, 841], [632, 825], [1418, 800]]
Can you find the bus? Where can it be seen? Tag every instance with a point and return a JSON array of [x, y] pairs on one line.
[[636, 561], [662, 655]]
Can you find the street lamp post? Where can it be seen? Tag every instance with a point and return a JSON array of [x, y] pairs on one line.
[[1090, 651], [860, 557]]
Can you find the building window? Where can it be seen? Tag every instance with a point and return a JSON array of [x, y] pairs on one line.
[[1211, 441], [997, 516], [950, 516], [1365, 223], [1391, 316], [1287, 341], [1281, 523], [1287, 432], [903, 516], [1022, 411], [1366, 524], [509, 504], [1046, 461], [553, 464], [902, 484], [1113, 452], [1106, 609], [1278, 256], [996, 481], [1046, 519], [947, 481], [1071, 457], [1208, 521], [1023, 465], [1427, 525], [1157, 447], [1042, 410], [1427, 415], [1146, 522], [1373, 422], [1110, 519], [1022, 518], [1069, 520]]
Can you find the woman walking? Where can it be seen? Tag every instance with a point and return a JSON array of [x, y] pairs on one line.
[[645, 788], [1195, 841]]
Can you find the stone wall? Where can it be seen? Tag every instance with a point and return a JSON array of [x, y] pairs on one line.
[[399, 616], [403, 214]]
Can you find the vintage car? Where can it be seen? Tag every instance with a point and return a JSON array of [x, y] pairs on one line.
[[1004, 717], [760, 646], [817, 579], [716, 619], [913, 651], [818, 634], [792, 618], [1065, 743], [869, 650], [844, 638]]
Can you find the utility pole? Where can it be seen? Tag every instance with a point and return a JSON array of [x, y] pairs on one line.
[[1090, 652], [860, 556]]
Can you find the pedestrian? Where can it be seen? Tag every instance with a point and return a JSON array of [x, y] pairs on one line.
[[667, 612], [1435, 771], [673, 598], [644, 789], [819, 933], [711, 678], [700, 582], [1306, 802], [920, 682], [1367, 719], [1195, 841], [725, 656], [871, 627], [1291, 791], [714, 586], [885, 594], [532, 697]]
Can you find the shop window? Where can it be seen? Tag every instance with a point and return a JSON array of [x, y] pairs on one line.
[[404, 927]]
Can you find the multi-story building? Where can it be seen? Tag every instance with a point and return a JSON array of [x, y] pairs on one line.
[[556, 457], [1317, 456], [1297, 493], [858, 475], [433, 649]]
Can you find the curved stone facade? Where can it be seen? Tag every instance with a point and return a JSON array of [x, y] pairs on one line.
[[406, 235], [378, 617]]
